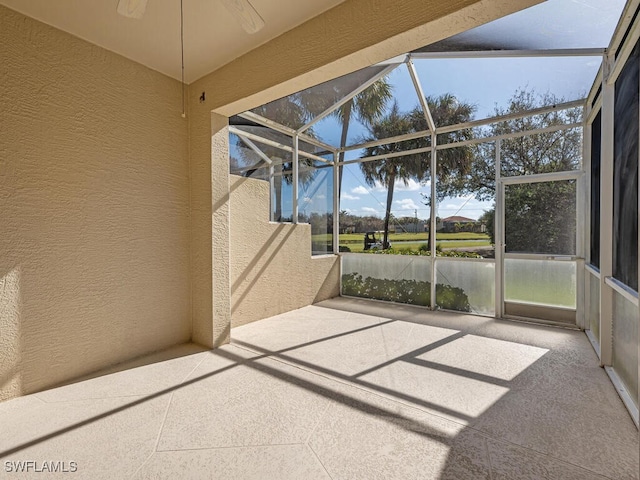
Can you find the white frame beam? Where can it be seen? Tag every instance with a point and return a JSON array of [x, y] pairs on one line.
[[556, 52], [513, 116], [336, 205], [384, 141], [606, 215], [618, 55], [265, 122], [524, 133], [421, 98], [273, 143], [349, 96], [498, 234], [433, 218], [295, 180], [255, 148]]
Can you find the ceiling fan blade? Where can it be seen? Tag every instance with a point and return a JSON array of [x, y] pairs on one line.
[[245, 14], [132, 8]]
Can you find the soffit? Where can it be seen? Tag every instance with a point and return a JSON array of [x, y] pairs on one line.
[[212, 37]]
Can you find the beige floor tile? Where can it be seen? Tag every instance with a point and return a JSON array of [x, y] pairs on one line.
[[510, 462], [367, 307], [144, 376], [485, 357], [282, 462], [350, 389], [602, 440], [366, 436], [107, 438], [255, 403], [460, 398], [357, 351], [313, 326]]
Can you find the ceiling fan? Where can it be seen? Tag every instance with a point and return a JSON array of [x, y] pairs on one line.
[[242, 10]]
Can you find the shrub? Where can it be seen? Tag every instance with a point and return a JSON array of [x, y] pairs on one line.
[[413, 292], [455, 253], [423, 250]]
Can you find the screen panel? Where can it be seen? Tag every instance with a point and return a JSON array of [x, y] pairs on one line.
[[625, 173]]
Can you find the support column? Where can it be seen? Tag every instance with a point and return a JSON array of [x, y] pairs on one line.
[[336, 204], [295, 180], [498, 234], [210, 233], [606, 215], [433, 224]]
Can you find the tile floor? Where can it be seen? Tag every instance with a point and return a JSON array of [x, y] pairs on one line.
[[345, 389]]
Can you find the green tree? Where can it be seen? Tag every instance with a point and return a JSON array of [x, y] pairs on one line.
[[293, 111], [539, 217], [299, 108], [453, 164], [488, 219], [368, 106]]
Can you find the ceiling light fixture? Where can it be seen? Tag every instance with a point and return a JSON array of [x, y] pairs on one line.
[[132, 8], [247, 16], [244, 13]]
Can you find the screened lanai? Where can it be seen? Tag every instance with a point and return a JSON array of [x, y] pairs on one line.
[[493, 173]]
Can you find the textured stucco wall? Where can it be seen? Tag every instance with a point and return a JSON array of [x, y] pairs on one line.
[[94, 208], [272, 270]]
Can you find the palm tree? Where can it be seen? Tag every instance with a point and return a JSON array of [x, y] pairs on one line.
[[454, 165], [368, 106], [388, 171], [293, 111], [297, 109]]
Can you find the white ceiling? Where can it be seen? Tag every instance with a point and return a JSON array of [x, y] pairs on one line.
[[212, 37]]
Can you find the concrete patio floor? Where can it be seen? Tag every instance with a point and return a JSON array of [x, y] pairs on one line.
[[343, 389]]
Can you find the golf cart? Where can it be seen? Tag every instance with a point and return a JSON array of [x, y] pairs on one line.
[[371, 242]]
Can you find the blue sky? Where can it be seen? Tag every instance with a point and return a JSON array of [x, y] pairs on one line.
[[486, 83]]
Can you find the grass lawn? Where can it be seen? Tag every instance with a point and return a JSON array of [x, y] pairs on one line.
[[352, 238], [359, 247], [410, 241]]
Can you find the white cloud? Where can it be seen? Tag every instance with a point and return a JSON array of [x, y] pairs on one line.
[[407, 204], [369, 210], [321, 197], [399, 186], [359, 190], [346, 196], [411, 186]]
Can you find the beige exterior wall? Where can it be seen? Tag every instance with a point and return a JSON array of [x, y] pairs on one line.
[[272, 270], [94, 208]]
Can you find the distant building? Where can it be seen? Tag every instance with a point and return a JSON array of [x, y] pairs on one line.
[[413, 227], [461, 224]]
